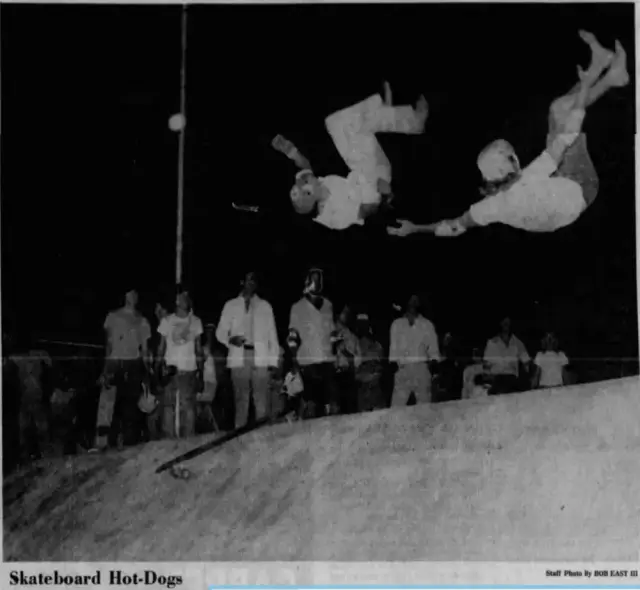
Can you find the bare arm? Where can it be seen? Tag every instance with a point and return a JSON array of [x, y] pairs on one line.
[[407, 228], [286, 147], [162, 349]]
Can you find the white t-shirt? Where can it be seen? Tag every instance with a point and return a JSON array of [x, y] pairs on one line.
[[536, 202], [551, 364], [341, 209], [181, 334]]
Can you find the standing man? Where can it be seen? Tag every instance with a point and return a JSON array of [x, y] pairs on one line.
[[414, 343], [248, 329], [370, 371], [312, 318], [182, 353], [127, 333], [503, 356]]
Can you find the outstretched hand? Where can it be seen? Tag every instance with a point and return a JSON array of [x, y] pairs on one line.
[[405, 228], [282, 144]]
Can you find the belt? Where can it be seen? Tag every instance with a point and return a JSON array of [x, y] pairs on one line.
[[248, 346]]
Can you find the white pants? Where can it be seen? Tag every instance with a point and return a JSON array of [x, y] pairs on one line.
[[412, 378], [353, 132]]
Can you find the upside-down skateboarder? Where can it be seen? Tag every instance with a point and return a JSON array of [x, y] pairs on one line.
[[342, 202], [557, 187]]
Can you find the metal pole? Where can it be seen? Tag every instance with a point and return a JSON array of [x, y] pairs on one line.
[[180, 221], [183, 108]]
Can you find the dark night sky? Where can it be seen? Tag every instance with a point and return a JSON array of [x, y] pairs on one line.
[[89, 165]]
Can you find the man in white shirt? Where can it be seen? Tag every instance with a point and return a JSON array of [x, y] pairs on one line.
[[550, 364], [248, 329], [414, 343], [128, 334], [503, 357], [181, 351], [312, 318], [557, 187], [343, 202]]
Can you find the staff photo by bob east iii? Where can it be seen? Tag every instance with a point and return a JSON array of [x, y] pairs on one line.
[[558, 186]]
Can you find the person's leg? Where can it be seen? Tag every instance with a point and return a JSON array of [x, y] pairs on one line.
[[188, 403], [260, 386], [422, 381], [116, 428], [131, 414], [241, 377], [353, 132], [401, 388], [169, 407], [385, 118], [615, 77], [330, 391]]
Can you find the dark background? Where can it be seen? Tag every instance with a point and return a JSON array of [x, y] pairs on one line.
[[90, 166]]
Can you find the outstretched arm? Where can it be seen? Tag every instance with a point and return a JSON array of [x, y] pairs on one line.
[[283, 145], [446, 228]]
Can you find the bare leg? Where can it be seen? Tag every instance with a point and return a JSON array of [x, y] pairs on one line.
[[616, 76]]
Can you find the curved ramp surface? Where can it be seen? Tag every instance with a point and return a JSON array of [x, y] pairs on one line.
[[545, 475]]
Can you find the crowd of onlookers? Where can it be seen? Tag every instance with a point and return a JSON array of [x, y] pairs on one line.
[[168, 382]]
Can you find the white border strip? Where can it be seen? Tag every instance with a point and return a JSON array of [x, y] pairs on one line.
[[194, 576]]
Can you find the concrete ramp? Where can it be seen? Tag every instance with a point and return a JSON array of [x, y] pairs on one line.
[[545, 475]]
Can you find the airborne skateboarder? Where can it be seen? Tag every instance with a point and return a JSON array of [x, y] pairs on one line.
[[338, 202], [557, 187]]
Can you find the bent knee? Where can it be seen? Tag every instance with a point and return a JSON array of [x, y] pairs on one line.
[[560, 109]]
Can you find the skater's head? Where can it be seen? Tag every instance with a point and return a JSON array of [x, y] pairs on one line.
[[249, 285], [498, 162], [305, 193]]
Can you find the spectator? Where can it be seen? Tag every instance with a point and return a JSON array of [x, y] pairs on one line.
[[449, 379], [472, 387], [128, 333], [312, 318], [292, 386], [414, 343], [32, 368], [181, 351], [347, 361], [205, 397], [550, 364], [248, 329], [369, 373], [503, 356]]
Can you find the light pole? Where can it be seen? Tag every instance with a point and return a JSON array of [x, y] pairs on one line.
[[178, 123]]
